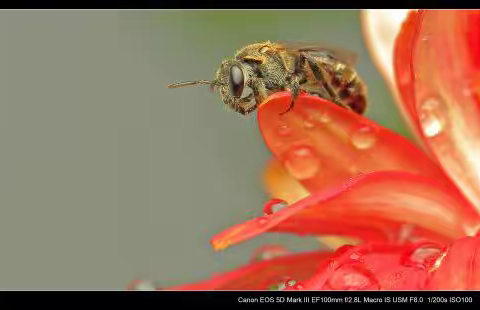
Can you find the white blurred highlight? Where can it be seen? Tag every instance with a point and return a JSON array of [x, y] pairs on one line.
[[380, 29]]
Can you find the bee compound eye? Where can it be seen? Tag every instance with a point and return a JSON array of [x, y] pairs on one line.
[[236, 81]]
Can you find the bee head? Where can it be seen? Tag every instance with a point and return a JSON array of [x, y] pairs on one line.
[[230, 80], [232, 77]]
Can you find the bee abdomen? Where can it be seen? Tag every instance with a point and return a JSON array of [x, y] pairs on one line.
[[357, 103], [353, 94]]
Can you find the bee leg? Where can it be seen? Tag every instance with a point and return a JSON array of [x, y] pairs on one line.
[[320, 75], [295, 90], [320, 92], [259, 90], [296, 79], [243, 107]]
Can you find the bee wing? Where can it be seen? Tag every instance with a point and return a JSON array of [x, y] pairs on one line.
[[338, 53]]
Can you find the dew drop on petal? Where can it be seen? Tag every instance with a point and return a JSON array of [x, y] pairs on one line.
[[472, 230], [302, 163], [424, 255], [308, 122], [274, 205], [348, 278], [364, 138], [284, 130], [438, 261], [354, 256], [405, 233], [286, 282], [325, 117], [355, 280], [431, 117]]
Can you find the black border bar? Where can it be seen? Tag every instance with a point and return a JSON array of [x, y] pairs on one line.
[[136, 299]]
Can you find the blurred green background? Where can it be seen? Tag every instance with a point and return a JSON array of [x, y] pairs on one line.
[[106, 175]]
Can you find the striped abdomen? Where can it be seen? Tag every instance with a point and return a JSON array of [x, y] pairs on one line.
[[347, 84]]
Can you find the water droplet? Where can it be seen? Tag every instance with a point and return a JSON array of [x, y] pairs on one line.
[[439, 260], [405, 233], [431, 117], [349, 278], [364, 138], [423, 256], [472, 230], [269, 252], [308, 122], [284, 130], [274, 205], [354, 256], [325, 117], [286, 282], [302, 163]]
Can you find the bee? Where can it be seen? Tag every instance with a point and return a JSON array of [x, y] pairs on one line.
[[266, 68]]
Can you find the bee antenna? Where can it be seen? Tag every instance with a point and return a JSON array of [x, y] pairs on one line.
[[188, 83]]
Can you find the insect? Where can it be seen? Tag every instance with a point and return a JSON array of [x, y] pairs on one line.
[[266, 68]]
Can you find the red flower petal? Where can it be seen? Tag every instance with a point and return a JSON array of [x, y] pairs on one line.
[[282, 185], [323, 145], [374, 267], [373, 207], [264, 274], [402, 55], [459, 268], [380, 28], [437, 63]]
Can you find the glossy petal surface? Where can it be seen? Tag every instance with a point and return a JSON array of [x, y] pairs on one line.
[[323, 145], [374, 267], [263, 275], [282, 185], [380, 28], [459, 268], [438, 64], [381, 206]]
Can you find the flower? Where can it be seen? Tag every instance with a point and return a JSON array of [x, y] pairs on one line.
[[411, 214]]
